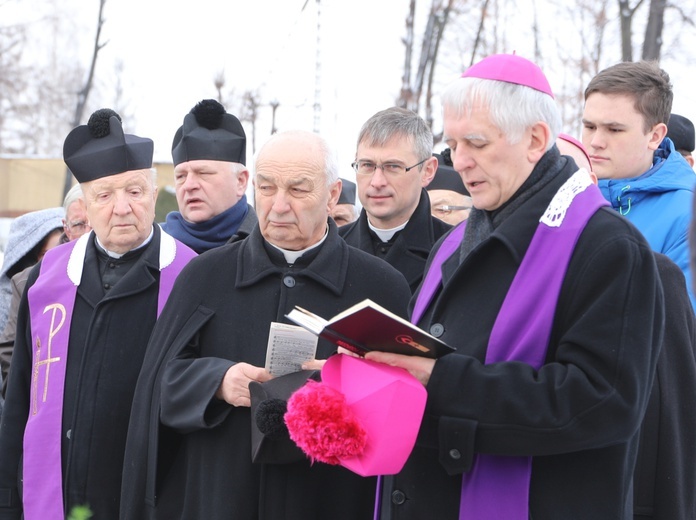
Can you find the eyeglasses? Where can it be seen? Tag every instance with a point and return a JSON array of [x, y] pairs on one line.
[[76, 226], [446, 209], [368, 167]]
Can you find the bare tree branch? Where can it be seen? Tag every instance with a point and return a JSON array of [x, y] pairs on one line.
[[83, 94]]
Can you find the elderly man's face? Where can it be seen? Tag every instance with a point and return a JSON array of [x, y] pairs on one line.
[[343, 214], [449, 206], [204, 189], [121, 209], [491, 168], [75, 223], [293, 200]]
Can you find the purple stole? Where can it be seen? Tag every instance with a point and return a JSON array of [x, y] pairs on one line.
[[498, 486], [51, 304]]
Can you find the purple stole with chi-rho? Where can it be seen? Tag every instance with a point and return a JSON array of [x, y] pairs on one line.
[[51, 304], [497, 487]]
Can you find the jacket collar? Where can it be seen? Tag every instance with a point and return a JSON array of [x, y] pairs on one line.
[[329, 267], [418, 235]]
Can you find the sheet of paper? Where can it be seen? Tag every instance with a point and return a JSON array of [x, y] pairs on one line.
[[288, 347]]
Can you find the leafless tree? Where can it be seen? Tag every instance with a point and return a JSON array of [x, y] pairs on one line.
[[83, 93], [13, 81], [418, 89]]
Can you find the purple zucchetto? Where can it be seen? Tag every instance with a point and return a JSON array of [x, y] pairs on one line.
[[510, 68], [100, 148]]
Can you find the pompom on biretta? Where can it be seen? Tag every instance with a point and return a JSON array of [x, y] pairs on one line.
[[208, 113], [98, 123], [209, 133], [323, 425], [101, 148]]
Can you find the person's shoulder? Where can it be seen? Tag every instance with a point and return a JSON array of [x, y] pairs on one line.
[[440, 227], [368, 264], [214, 262], [348, 229], [608, 231]]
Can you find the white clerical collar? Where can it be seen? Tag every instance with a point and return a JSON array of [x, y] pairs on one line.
[[385, 235], [292, 256], [119, 255]]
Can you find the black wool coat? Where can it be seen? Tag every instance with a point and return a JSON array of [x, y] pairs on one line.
[[108, 336], [411, 248], [196, 461], [665, 474], [579, 414]]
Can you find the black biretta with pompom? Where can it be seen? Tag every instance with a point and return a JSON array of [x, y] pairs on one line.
[[100, 148], [209, 133]]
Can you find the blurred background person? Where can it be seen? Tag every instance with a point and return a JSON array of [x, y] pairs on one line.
[[75, 223], [681, 131], [345, 212], [31, 235]]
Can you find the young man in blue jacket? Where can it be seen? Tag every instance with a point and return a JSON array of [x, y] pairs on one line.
[[627, 107]]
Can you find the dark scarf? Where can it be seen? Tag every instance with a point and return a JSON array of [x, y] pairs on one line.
[[481, 223], [209, 234]]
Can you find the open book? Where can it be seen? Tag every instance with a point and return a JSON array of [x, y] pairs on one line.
[[367, 326]]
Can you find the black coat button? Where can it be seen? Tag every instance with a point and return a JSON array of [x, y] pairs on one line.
[[454, 453], [398, 497], [289, 281], [437, 330]]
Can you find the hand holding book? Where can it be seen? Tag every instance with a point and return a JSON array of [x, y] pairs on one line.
[[367, 326]]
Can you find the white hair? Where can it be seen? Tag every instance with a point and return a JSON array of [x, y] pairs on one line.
[[512, 108]]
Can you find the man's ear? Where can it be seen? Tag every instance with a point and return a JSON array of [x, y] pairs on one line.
[[334, 194], [242, 181], [657, 133], [539, 137], [429, 170]]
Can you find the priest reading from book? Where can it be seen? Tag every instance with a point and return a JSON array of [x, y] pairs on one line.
[[555, 308], [82, 329], [189, 448]]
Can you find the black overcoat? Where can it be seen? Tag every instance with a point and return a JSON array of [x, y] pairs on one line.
[[108, 336], [412, 246], [578, 415], [219, 313], [665, 474]]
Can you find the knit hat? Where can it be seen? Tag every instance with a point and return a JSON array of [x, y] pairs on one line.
[[446, 177], [510, 68], [100, 148], [347, 195], [209, 133], [681, 131]]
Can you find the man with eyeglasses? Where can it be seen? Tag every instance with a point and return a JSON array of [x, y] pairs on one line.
[[393, 164], [449, 199], [75, 223]]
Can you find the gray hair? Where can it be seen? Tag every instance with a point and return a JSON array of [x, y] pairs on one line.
[[512, 108], [328, 154], [73, 195], [398, 122]]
